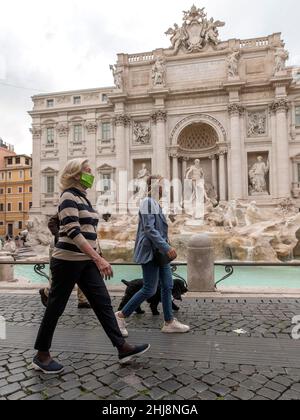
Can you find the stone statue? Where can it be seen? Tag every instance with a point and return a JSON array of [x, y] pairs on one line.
[[118, 76], [281, 56], [178, 38], [233, 64], [253, 214], [230, 216], [141, 133], [257, 176], [257, 124], [141, 181], [159, 72], [212, 33], [196, 174]]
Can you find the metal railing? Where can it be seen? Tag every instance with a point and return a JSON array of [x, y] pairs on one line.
[[229, 266]]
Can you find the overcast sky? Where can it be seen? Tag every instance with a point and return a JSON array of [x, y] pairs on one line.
[[55, 45]]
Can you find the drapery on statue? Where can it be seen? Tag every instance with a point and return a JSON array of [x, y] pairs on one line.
[[233, 64], [158, 72], [257, 176], [196, 174], [281, 56], [118, 76], [178, 38], [141, 181]]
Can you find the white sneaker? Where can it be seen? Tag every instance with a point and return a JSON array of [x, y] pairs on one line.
[[122, 325], [175, 327]]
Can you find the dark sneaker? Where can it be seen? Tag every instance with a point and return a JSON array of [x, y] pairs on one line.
[[53, 368], [136, 352], [84, 305], [44, 297]]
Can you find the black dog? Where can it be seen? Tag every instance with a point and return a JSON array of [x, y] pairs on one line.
[[180, 288]]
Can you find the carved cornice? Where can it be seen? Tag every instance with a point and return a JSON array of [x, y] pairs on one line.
[[159, 116], [236, 109], [279, 105], [122, 120]]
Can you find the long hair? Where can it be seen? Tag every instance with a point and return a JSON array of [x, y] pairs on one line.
[[68, 176], [153, 187]]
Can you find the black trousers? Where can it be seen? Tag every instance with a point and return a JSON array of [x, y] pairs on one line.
[[65, 274]]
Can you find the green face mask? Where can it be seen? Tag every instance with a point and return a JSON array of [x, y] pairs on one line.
[[87, 180]]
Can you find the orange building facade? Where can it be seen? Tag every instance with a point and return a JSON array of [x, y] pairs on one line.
[[15, 194]]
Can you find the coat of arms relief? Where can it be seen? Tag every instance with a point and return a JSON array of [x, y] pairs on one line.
[[196, 32]]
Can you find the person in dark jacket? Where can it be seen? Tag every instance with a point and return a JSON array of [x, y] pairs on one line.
[[53, 226]]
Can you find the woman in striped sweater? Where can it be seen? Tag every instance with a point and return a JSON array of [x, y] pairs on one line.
[[76, 260]]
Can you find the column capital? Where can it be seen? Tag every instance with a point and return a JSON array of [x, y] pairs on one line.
[[223, 152], [159, 115], [36, 132], [213, 157], [278, 105], [63, 129], [236, 109], [122, 120], [91, 127]]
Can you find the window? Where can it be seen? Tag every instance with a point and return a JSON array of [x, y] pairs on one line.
[[298, 172], [21, 174], [50, 185], [1, 191], [20, 206], [77, 100], [10, 161], [30, 173], [2, 175], [104, 97], [18, 161], [1, 207], [50, 136], [20, 190], [106, 132], [30, 205], [9, 206], [20, 225], [9, 175], [30, 189], [77, 133], [27, 162], [8, 190], [1, 223], [106, 182], [50, 103]]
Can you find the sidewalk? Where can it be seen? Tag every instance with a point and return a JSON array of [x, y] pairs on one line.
[[212, 362]]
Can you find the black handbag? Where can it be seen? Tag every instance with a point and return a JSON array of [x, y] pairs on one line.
[[161, 259]]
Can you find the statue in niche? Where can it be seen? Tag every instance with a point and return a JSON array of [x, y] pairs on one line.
[[141, 181], [233, 64], [257, 176], [281, 56], [195, 174], [158, 72]]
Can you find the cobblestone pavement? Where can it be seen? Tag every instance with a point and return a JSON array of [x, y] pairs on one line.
[[96, 376]]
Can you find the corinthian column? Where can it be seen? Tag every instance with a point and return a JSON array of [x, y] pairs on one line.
[[236, 111], [222, 175], [175, 181], [36, 169], [159, 144], [280, 108], [213, 159], [121, 121]]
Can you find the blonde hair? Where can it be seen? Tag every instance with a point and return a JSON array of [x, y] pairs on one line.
[[68, 176]]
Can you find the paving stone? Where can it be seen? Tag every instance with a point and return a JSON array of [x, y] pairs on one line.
[[91, 386], [17, 396], [268, 393], [128, 393], [290, 395], [66, 386], [275, 387], [188, 393], [15, 378], [199, 387], [9, 389], [283, 380], [34, 397], [170, 386], [211, 379], [157, 393], [103, 392], [243, 394], [73, 394], [207, 396], [220, 390], [251, 385]]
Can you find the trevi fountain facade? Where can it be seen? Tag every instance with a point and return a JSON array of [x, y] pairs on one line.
[[223, 114]]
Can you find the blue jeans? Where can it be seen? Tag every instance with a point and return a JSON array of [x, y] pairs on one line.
[[154, 275]]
